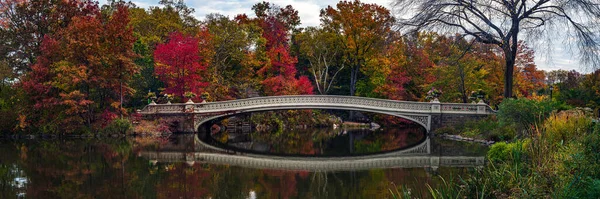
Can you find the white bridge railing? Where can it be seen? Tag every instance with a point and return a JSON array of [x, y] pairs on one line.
[[320, 102], [316, 164]]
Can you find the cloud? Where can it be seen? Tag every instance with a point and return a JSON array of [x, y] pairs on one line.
[[229, 8]]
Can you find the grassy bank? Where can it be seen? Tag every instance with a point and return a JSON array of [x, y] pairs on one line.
[[552, 154]]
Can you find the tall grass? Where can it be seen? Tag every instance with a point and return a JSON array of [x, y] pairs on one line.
[[558, 157]]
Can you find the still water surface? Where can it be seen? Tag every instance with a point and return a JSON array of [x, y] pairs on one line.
[[121, 168]]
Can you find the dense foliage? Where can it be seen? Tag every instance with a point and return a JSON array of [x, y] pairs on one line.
[[524, 113], [85, 64], [556, 157]]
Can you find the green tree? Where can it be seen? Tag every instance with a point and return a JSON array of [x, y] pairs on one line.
[[153, 26], [320, 49], [234, 48]]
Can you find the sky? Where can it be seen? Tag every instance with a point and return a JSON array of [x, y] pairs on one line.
[[560, 57]]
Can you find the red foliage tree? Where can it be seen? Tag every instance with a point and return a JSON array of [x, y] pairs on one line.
[[179, 66], [280, 74]]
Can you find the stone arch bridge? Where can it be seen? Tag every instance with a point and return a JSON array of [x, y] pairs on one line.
[[431, 115]]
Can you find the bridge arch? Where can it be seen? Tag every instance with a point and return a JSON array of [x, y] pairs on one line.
[[422, 120]]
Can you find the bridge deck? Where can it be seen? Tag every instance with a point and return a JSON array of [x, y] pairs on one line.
[[320, 101]]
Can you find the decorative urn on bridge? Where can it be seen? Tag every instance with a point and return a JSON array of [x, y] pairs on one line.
[[433, 94], [478, 96]]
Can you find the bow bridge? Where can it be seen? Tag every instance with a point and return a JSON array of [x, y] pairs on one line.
[[189, 116]]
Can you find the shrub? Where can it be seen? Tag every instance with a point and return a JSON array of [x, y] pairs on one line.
[[566, 125], [154, 128], [121, 126], [504, 133], [489, 129], [524, 113], [498, 152], [591, 147], [592, 190], [503, 152], [446, 130]]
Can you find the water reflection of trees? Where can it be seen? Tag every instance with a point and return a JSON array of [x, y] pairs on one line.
[[111, 169], [79, 169], [326, 141], [219, 181]]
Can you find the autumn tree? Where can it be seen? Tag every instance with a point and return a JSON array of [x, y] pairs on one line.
[[83, 71], [590, 85], [155, 24], [556, 76], [418, 65], [392, 77], [501, 23], [577, 90], [6, 73], [364, 29], [288, 16], [236, 50], [152, 26], [23, 25], [279, 73], [179, 66], [461, 68], [528, 78]]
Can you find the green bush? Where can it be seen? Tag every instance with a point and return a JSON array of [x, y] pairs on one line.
[[591, 147], [498, 152], [524, 113], [487, 128], [121, 126], [503, 152], [504, 133], [592, 190], [475, 128]]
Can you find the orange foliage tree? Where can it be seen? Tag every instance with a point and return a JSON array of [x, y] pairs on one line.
[[364, 29], [83, 71]]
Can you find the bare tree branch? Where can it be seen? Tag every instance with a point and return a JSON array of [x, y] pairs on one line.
[[502, 22]]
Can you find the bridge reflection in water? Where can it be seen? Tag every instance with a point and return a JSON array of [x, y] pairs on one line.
[[192, 150]]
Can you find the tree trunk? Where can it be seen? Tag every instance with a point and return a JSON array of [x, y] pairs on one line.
[[462, 86], [121, 98], [510, 54], [508, 74], [353, 77]]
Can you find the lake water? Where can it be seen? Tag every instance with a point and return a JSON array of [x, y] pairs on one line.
[[306, 163]]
